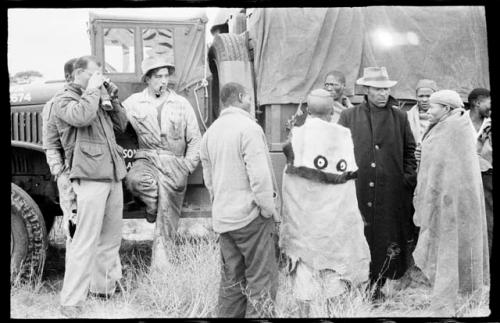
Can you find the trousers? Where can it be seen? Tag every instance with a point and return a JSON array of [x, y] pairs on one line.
[[92, 256], [163, 194], [249, 273], [488, 203]]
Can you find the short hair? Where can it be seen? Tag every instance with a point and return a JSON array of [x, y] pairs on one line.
[[83, 62], [171, 70], [338, 76], [68, 68], [229, 93], [477, 95]]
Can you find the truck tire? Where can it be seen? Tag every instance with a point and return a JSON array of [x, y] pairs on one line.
[[28, 237]]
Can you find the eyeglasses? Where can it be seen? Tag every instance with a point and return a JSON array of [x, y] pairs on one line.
[[333, 85]]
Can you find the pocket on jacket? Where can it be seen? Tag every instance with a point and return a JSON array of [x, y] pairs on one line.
[[91, 150]]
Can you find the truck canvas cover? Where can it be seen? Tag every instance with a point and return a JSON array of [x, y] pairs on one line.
[[295, 48]]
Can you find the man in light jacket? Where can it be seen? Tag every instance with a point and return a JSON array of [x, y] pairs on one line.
[[238, 174], [96, 171]]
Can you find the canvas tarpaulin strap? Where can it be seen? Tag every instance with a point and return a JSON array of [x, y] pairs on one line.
[[295, 47], [452, 248]]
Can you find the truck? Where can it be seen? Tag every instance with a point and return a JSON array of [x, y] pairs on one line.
[[278, 54]]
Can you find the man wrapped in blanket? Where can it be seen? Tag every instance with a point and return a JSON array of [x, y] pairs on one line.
[[322, 228]]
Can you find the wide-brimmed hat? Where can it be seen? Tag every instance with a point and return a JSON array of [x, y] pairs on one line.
[[156, 61], [376, 77]]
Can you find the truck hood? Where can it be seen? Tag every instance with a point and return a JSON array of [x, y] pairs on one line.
[[34, 93]]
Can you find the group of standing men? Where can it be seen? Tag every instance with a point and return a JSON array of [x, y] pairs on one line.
[[237, 172]]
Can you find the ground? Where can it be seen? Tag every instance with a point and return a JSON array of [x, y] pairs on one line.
[[189, 287]]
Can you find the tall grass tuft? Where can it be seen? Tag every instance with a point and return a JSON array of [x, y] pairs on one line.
[[188, 288]]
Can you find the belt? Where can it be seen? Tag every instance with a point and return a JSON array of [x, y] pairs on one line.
[[488, 172]]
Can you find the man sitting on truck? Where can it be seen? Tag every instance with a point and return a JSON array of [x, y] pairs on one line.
[[169, 142]]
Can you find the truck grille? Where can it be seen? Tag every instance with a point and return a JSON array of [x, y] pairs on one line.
[[26, 126]]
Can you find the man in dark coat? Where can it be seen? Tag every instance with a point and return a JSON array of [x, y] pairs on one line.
[[384, 149]]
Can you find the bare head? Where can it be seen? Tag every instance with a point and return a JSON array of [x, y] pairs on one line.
[[68, 70], [335, 84], [235, 94], [320, 104], [83, 68]]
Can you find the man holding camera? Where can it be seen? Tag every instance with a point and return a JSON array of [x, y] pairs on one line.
[[87, 130]]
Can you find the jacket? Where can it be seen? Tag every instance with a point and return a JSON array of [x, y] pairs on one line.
[[237, 171], [177, 132], [384, 150], [87, 134]]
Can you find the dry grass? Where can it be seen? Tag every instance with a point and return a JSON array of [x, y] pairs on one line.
[[188, 288]]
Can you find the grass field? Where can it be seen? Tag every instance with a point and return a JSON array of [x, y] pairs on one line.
[[189, 288]]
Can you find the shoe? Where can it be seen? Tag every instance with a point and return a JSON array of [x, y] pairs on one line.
[[71, 311], [151, 218], [118, 290]]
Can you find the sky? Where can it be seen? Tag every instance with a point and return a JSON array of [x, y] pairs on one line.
[[43, 39]]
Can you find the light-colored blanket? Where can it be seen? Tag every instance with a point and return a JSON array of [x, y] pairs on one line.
[[452, 248], [321, 223]]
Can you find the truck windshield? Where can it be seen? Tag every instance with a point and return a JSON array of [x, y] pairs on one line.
[[119, 52], [158, 41]]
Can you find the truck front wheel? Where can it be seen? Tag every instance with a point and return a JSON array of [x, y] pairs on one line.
[[28, 237]]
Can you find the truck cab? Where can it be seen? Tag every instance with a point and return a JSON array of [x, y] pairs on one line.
[[120, 43]]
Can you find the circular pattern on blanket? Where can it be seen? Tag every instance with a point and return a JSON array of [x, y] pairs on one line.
[[341, 165], [320, 162]]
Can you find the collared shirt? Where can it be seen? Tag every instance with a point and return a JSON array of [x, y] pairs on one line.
[[483, 143], [174, 128], [237, 170]]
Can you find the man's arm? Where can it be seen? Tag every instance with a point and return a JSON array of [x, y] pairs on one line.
[[409, 160], [193, 138], [207, 166], [78, 113], [118, 116], [254, 151]]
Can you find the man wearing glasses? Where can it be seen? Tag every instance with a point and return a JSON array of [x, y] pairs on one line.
[[96, 170]]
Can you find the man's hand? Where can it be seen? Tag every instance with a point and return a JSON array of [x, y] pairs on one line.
[[95, 80], [112, 90]]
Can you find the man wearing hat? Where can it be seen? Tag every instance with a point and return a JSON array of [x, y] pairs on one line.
[[479, 113], [384, 150], [417, 115], [169, 138]]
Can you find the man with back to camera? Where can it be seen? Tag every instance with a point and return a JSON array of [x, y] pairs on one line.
[[96, 169], [238, 174], [384, 149]]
